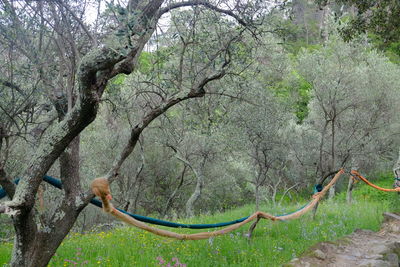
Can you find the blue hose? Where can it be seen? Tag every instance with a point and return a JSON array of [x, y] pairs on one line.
[[57, 183]]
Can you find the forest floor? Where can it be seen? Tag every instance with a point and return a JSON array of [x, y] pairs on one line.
[[361, 248]]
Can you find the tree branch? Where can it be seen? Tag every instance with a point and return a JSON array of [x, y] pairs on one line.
[[205, 4], [80, 22], [322, 180], [12, 86], [92, 76], [197, 91]]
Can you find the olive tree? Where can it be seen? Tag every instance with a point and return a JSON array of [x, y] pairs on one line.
[[353, 104], [33, 30], [378, 18], [260, 132]]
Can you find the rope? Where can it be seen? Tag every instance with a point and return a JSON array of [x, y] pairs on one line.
[[355, 173], [58, 184], [107, 207], [138, 220]]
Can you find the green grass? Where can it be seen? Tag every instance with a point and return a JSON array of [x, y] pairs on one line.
[[273, 243], [5, 252], [363, 192]]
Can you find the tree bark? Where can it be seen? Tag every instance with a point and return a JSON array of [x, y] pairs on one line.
[[35, 245], [39, 246], [332, 192], [349, 193], [198, 172], [396, 171], [69, 168], [252, 227], [314, 212], [350, 186], [257, 196], [396, 168], [197, 191], [172, 196]]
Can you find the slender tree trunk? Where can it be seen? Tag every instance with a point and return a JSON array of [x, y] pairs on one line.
[[274, 192], [320, 167], [396, 168], [257, 196], [314, 212], [349, 193], [138, 179], [197, 192], [350, 186], [172, 196], [396, 171], [332, 190], [139, 190], [323, 23], [274, 188], [252, 227]]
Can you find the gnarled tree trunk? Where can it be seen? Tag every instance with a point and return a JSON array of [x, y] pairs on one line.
[[34, 244]]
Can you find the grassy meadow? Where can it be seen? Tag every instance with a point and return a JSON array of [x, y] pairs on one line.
[[272, 244]]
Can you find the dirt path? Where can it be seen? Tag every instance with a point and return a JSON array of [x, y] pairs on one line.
[[361, 248]]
